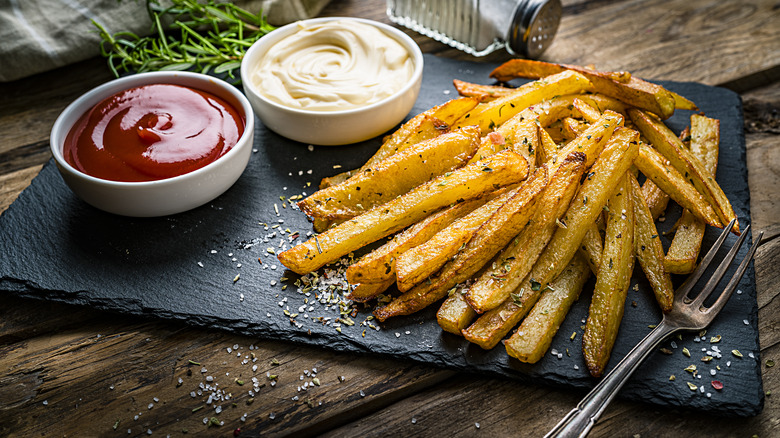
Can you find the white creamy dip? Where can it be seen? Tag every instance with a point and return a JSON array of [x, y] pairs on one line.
[[331, 66]]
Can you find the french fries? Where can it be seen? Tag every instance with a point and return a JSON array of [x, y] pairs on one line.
[[634, 91], [496, 112], [684, 249], [493, 235], [378, 266], [648, 249], [612, 281], [533, 338], [613, 162], [504, 228], [667, 178], [495, 285], [670, 146], [424, 126], [468, 182], [422, 261], [393, 176]]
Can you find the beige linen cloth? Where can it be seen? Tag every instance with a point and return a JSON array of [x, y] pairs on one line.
[[40, 35]]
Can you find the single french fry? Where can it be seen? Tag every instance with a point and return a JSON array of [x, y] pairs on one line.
[[592, 246], [681, 102], [633, 91], [588, 112], [367, 291], [535, 334], [393, 176], [681, 258], [612, 281], [572, 127], [593, 139], [655, 198], [671, 147], [486, 242], [455, 314], [648, 249], [654, 166], [587, 205], [494, 113], [483, 93], [424, 126], [379, 265], [422, 261], [517, 134], [468, 182], [549, 149], [498, 281]]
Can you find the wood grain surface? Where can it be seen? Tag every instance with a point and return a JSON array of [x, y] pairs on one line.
[[71, 371]]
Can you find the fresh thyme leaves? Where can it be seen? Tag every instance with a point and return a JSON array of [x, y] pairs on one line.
[[203, 36]]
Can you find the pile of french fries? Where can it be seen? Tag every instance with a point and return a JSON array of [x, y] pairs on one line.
[[502, 202]]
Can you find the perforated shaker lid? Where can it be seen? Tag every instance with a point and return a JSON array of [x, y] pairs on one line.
[[533, 27]]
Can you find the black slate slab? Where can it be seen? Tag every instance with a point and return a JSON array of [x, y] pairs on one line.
[[202, 267]]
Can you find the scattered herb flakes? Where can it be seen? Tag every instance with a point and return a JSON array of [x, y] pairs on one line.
[[736, 353], [692, 387], [770, 363], [715, 339], [686, 352], [672, 378]]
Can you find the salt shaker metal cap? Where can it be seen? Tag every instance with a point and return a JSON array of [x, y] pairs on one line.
[[533, 27]]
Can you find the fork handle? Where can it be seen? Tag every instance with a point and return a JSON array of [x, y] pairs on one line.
[[581, 419]]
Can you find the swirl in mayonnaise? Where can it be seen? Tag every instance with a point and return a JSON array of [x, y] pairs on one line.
[[332, 66]]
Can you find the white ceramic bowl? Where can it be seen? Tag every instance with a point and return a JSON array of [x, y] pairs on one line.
[[332, 127], [166, 196]]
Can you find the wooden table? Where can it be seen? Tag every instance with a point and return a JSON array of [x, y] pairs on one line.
[[68, 371]]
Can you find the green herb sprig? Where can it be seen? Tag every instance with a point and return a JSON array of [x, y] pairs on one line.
[[187, 35]]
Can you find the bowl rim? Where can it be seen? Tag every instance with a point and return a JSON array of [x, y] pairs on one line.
[[92, 97], [288, 29]]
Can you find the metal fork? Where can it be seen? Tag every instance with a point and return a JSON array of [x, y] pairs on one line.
[[688, 313]]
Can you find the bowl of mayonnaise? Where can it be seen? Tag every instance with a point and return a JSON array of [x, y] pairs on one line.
[[332, 81]]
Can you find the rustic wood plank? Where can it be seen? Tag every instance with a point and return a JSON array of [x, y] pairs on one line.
[[699, 40], [116, 366]]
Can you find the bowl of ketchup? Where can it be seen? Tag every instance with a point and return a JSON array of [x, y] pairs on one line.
[[154, 144]]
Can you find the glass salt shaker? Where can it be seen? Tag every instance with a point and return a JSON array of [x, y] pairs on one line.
[[480, 27]]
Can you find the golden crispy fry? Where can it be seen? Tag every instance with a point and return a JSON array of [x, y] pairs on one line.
[[635, 91], [655, 198], [422, 261], [549, 149], [421, 127], [491, 114], [590, 114], [500, 279], [681, 102], [455, 314], [572, 127], [593, 139], [684, 250], [588, 204], [592, 247], [521, 136], [648, 249], [654, 166], [468, 182], [367, 291], [483, 93], [670, 146], [486, 242], [379, 265], [393, 176], [612, 281], [535, 334]]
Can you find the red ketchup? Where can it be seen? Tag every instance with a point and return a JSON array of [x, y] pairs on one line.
[[152, 132]]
